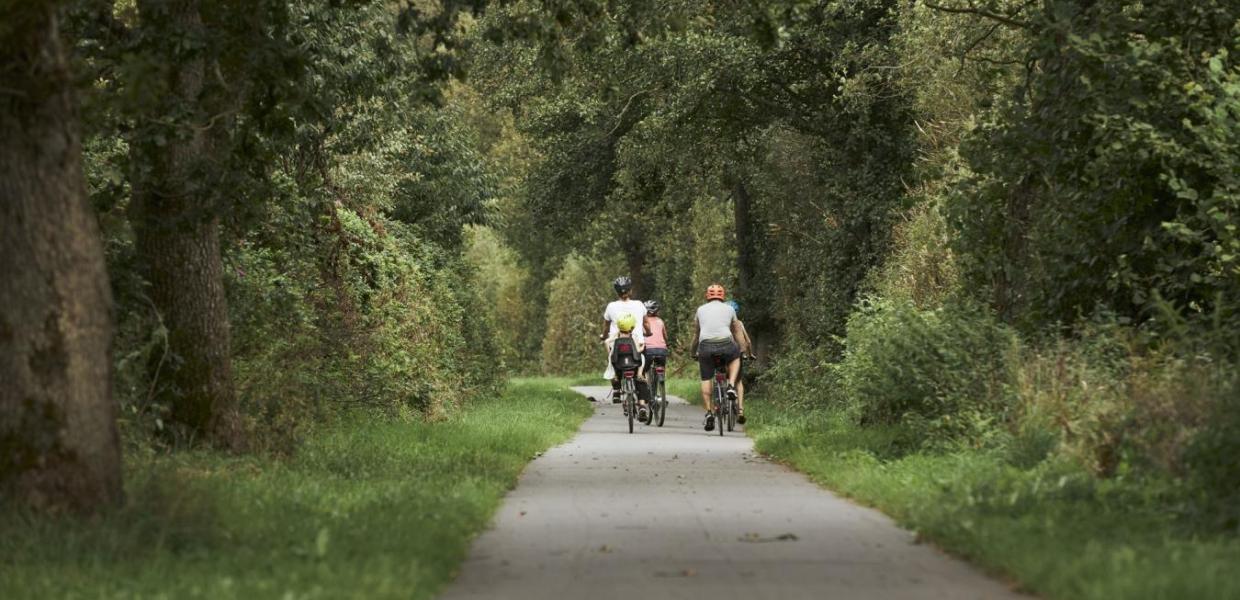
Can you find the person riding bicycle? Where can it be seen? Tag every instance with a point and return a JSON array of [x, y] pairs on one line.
[[623, 305], [714, 334], [746, 346], [625, 352], [655, 332]]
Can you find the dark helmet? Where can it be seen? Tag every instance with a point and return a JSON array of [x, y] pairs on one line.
[[622, 284], [652, 307]]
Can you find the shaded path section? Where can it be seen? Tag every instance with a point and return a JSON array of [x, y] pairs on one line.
[[675, 512]]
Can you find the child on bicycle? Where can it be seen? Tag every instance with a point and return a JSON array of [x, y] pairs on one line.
[[626, 340], [655, 331]]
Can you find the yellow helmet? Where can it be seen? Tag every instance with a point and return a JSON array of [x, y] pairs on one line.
[[626, 323]]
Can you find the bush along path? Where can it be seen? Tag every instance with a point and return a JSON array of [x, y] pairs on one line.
[[368, 508], [676, 512]]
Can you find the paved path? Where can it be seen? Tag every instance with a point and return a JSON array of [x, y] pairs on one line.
[[679, 513]]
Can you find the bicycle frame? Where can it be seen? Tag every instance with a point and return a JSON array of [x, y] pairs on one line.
[[721, 385], [628, 389]]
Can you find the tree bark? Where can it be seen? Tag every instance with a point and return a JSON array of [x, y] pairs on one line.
[[177, 227], [756, 307], [59, 447]]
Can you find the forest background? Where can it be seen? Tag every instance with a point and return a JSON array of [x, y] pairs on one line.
[[997, 227]]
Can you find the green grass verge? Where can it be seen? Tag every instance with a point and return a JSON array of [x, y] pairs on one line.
[[367, 509], [1054, 529]]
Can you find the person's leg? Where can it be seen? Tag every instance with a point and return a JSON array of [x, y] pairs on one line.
[[740, 401], [615, 390], [706, 372]]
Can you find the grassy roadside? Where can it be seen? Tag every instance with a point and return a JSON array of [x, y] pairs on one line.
[[1057, 531], [369, 509]]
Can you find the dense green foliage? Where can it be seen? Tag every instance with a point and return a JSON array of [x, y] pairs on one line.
[[1110, 179], [369, 508], [347, 182]]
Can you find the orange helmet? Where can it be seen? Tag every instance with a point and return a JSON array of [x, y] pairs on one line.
[[716, 292]]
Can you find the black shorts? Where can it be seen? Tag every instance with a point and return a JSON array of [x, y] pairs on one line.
[[707, 351]]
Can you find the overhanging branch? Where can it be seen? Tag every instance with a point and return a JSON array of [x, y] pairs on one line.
[[971, 9]]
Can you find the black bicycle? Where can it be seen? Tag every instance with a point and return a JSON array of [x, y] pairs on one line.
[[628, 395], [725, 408], [658, 390]]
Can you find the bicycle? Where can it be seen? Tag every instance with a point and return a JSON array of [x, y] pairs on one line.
[[725, 408], [658, 389], [628, 393], [627, 362]]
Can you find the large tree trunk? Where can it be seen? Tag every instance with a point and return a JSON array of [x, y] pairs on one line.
[[177, 228], [58, 441], [755, 303]]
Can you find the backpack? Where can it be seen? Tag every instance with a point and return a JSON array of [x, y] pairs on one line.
[[624, 355]]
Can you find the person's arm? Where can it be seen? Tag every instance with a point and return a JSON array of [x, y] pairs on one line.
[[697, 331]]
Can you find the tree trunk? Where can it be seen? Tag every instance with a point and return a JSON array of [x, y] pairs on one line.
[[177, 228], [754, 302], [59, 446], [635, 258]]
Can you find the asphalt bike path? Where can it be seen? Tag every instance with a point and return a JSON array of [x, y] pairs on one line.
[[676, 512]]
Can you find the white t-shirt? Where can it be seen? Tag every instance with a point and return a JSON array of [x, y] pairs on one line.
[[715, 321], [621, 307]]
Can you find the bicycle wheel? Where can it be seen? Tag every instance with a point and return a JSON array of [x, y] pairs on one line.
[[719, 408], [662, 401], [731, 415], [631, 402]]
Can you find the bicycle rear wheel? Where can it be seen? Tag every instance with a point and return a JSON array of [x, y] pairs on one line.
[[731, 415], [662, 402], [719, 408]]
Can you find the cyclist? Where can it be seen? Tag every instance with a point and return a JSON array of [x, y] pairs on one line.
[[624, 304], [655, 332], [715, 334], [626, 328], [746, 352]]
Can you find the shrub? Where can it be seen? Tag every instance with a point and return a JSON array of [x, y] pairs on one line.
[[575, 305], [803, 378], [945, 373], [921, 267], [1119, 403], [1212, 455]]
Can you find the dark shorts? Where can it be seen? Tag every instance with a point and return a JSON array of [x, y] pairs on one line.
[[654, 356], [707, 351]]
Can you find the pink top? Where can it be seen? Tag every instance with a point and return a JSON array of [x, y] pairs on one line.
[[658, 335]]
